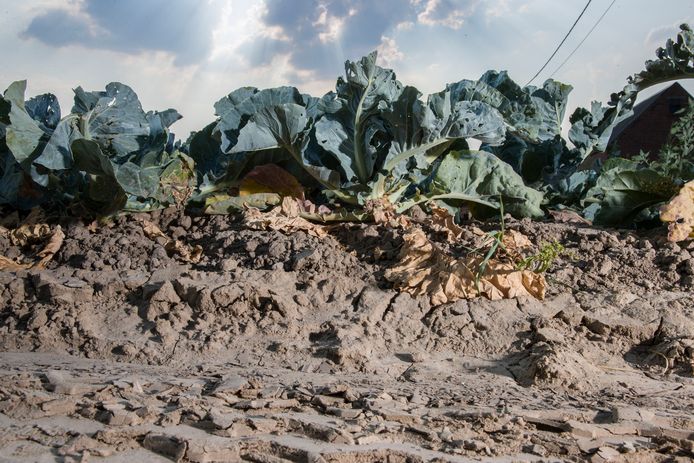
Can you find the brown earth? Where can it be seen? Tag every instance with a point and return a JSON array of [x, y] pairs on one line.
[[278, 348]]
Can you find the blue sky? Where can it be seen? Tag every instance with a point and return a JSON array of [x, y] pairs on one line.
[[186, 54]]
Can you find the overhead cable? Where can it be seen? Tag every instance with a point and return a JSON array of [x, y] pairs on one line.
[[584, 38], [560, 43]]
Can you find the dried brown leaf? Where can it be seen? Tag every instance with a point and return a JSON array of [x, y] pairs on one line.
[[442, 220], [52, 247], [191, 254], [55, 241], [515, 241], [29, 234], [384, 212], [185, 252], [7, 264], [93, 226], [504, 281], [679, 214], [152, 231], [424, 269], [285, 218]]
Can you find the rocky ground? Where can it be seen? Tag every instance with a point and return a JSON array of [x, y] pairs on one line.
[[276, 348]]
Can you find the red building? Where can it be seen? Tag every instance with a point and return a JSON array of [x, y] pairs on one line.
[[648, 128]]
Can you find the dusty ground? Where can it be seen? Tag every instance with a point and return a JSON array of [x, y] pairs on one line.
[[279, 348]]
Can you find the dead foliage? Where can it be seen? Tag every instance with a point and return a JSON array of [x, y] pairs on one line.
[[177, 248], [426, 270], [384, 213], [285, 218], [679, 214], [31, 234]]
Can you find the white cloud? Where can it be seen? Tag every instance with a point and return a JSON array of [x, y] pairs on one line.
[[240, 22], [502, 8], [388, 52], [404, 26], [442, 13], [330, 26]]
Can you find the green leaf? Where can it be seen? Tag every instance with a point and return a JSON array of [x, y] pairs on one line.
[[113, 118], [138, 181], [210, 161], [235, 109], [56, 154], [484, 179], [534, 114], [623, 190], [103, 193], [284, 127], [44, 109], [23, 134], [348, 130]]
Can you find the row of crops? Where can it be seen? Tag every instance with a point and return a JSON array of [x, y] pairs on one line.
[[371, 140]]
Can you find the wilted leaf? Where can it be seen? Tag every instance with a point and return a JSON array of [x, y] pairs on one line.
[[29, 233], [624, 189], [442, 220], [424, 269], [384, 212], [55, 241], [270, 178], [679, 214], [285, 218], [51, 248], [223, 204], [7, 264], [263, 187], [514, 241], [185, 252]]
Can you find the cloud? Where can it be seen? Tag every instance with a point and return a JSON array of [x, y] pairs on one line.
[[388, 52], [319, 35], [443, 13], [182, 28], [502, 8], [60, 27]]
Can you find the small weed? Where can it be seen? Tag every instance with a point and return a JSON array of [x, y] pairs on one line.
[[545, 257], [497, 242]]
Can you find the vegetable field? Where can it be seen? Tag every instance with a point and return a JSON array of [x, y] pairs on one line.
[[342, 278]]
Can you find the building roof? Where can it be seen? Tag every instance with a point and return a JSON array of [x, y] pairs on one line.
[[640, 109]]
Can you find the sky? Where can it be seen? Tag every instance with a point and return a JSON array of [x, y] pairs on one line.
[[187, 54]]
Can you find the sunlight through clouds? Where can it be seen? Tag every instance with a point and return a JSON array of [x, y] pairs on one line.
[[443, 13], [187, 54]]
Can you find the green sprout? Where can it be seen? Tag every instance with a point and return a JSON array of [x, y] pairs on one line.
[[545, 257]]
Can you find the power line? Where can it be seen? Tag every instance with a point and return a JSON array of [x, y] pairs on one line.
[[561, 43], [584, 38]]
